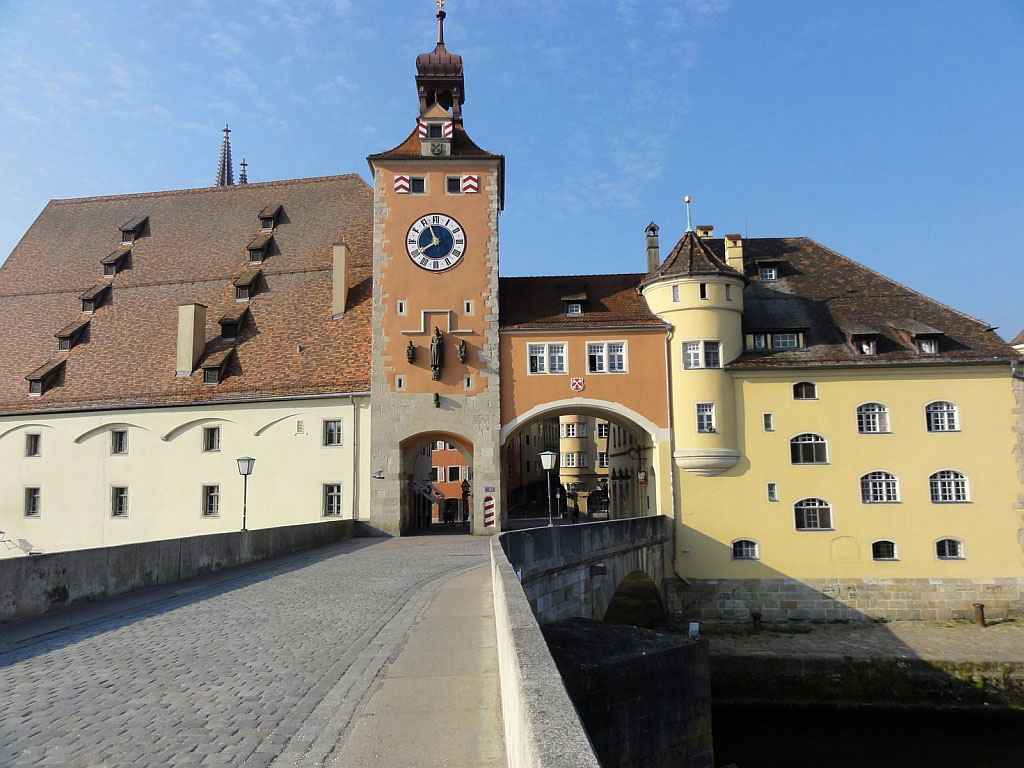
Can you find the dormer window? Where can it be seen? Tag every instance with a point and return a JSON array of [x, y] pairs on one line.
[[115, 261], [769, 273], [70, 335], [928, 345], [574, 298], [863, 339], [232, 322], [434, 131], [574, 309], [132, 229], [268, 217], [917, 335], [215, 367], [93, 298], [258, 247], [245, 286], [777, 340], [864, 345], [43, 377]]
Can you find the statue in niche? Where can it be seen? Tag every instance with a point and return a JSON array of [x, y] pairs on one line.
[[462, 351], [436, 354]]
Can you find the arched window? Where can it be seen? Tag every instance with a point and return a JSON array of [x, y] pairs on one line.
[[948, 487], [883, 550], [744, 549], [879, 488], [812, 514], [808, 449], [941, 416], [805, 390], [949, 549], [872, 418]]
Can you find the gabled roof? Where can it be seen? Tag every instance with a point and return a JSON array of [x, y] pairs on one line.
[[828, 295], [691, 257], [538, 303], [436, 112], [195, 248]]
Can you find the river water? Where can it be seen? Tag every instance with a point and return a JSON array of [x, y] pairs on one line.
[[794, 737]]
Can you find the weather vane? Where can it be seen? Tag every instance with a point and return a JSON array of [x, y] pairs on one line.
[[689, 226], [440, 5]]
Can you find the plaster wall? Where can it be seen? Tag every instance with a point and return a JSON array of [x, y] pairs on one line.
[[166, 467]]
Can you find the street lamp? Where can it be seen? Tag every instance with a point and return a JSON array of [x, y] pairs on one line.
[[245, 464], [547, 460]]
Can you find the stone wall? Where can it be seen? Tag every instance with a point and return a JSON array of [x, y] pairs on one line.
[[733, 600], [40, 583]]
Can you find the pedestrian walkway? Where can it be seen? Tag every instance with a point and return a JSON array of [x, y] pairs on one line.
[[1001, 641], [273, 663], [438, 703]]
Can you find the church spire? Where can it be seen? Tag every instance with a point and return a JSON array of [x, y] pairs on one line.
[[242, 178], [225, 171]]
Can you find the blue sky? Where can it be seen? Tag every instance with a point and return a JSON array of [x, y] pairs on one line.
[[888, 131]]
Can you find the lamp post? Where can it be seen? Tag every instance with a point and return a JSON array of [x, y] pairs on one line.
[[547, 460], [245, 464]]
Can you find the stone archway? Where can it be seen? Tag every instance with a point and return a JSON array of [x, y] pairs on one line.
[[636, 602], [434, 498]]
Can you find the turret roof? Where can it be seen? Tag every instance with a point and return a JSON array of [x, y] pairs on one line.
[[691, 257]]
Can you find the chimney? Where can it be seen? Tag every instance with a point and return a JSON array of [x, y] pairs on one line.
[[191, 336], [340, 280], [705, 231], [653, 252], [734, 252]]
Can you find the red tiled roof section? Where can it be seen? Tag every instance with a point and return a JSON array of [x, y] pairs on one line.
[[537, 302], [194, 246], [830, 295], [691, 256], [462, 146], [1018, 339]]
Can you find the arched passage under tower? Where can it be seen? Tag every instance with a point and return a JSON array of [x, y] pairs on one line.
[[437, 472]]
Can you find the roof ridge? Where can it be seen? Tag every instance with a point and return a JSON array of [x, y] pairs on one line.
[[201, 190]]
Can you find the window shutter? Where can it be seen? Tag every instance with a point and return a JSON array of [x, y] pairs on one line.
[[470, 183], [402, 185]]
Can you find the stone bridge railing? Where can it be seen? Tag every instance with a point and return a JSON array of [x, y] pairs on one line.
[[574, 570]]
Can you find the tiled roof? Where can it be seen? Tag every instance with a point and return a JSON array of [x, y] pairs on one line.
[[538, 302], [830, 295], [691, 256], [192, 249], [1018, 339]]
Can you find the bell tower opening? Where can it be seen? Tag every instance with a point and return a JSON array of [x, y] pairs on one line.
[[439, 78]]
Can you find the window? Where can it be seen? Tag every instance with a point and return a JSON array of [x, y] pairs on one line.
[[703, 291], [602, 459], [467, 307], [241, 293], [568, 459], [772, 490], [211, 439], [768, 273], [812, 514], [879, 488], [574, 308], [760, 340], [211, 500], [808, 449], [332, 432], [569, 429], [785, 341], [119, 501], [883, 550], [728, 292], [872, 418], [400, 307], [63, 343], [528, 467], [602, 430], [32, 502], [467, 381], [928, 345], [805, 390], [705, 417], [332, 499], [864, 346], [940, 416], [211, 377], [606, 357], [948, 487], [435, 474], [526, 439], [453, 185], [712, 355], [691, 354], [454, 474], [399, 383], [768, 422], [119, 442], [675, 293], [744, 549], [581, 459], [949, 549], [547, 358], [417, 185], [32, 444]]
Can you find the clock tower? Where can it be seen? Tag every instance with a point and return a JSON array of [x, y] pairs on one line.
[[437, 197]]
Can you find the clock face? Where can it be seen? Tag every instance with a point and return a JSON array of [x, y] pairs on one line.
[[436, 242]]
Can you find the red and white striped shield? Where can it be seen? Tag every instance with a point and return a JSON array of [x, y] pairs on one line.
[[402, 185], [421, 129], [488, 511], [470, 183], [448, 129]]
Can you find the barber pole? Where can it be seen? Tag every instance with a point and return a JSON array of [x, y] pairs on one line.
[[402, 185], [488, 511]]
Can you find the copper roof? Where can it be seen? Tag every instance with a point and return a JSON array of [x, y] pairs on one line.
[[194, 248], [440, 62], [537, 302], [691, 256]]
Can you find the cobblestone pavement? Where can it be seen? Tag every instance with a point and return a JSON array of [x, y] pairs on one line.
[[951, 641], [225, 670]]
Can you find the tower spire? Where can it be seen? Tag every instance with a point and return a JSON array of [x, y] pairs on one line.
[[242, 178], [225, 171], [440, 22]]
